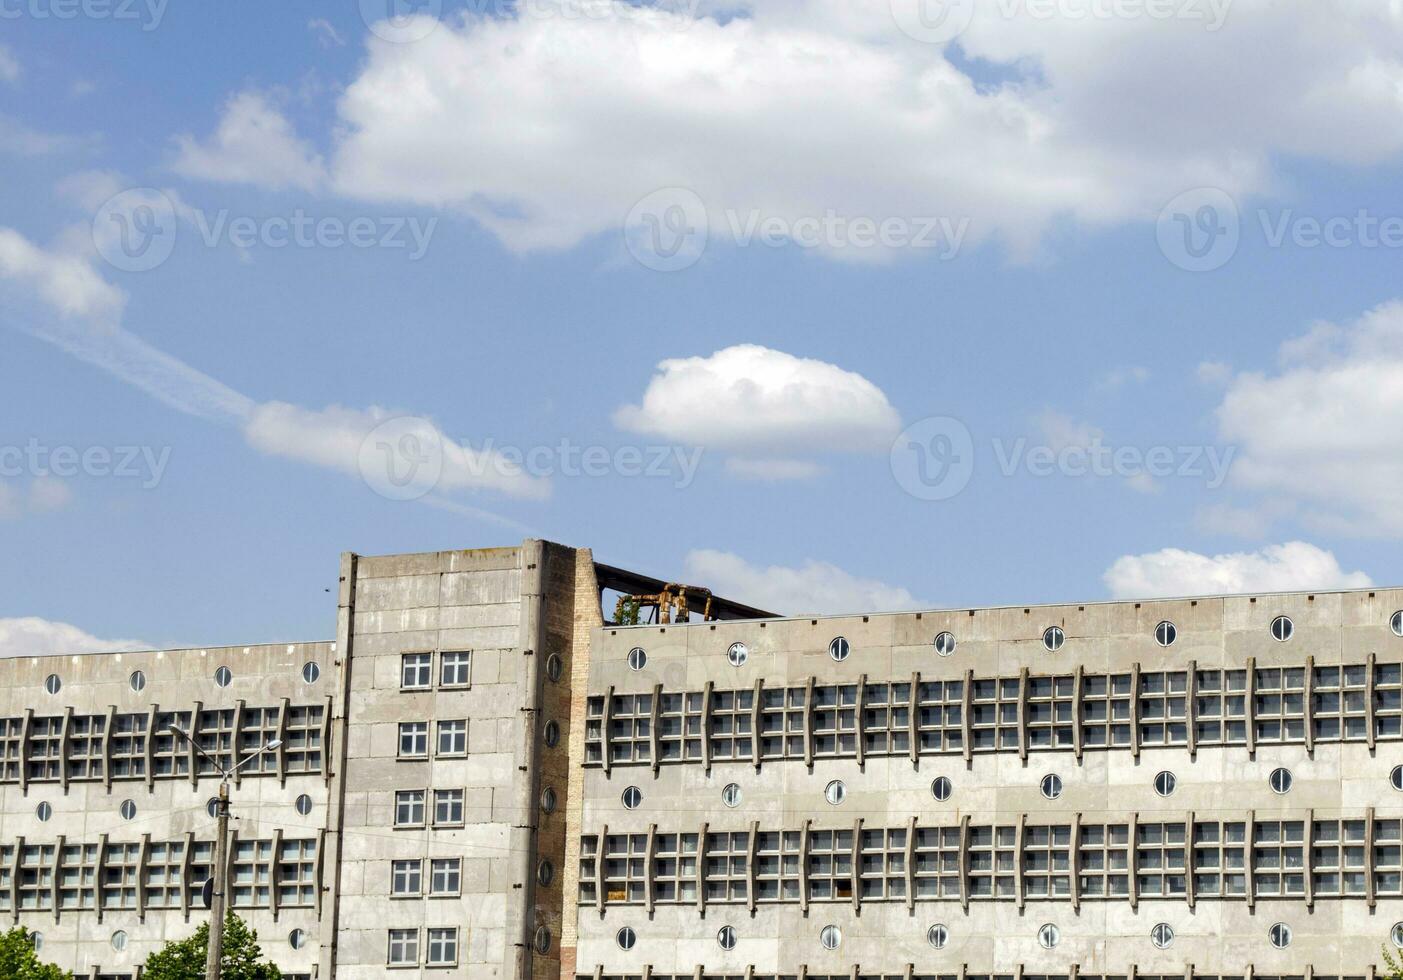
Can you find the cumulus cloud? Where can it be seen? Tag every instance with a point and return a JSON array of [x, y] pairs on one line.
[[66, 282], [30, 636], [816, 587], [1327, 428], [254, 143], [753, 400], [1173, 572]]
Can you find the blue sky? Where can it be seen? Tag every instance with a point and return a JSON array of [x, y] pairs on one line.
[[536, 150]]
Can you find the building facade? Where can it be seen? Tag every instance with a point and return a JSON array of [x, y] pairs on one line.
[[482, 777]]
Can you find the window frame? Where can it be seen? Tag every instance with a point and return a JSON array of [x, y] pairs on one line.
[[462, 661], [425, 668], [413, 871], [405, 796]]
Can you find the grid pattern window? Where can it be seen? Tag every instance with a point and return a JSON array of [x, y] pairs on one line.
[[45, 749], [1280, 704], [1047, 862], [1164, 708], [726, 867], [443, 947], [1340, 698], [121, 876], [257, 728], [302, 745], [403, 947], [85, 746], [413, 740], [297, 873], [448, 807], [993, 860], [216, 738], [1051, 712], [1104, 855], [777, 857], [77, 877], [169, 755], [128, 746], [625, 868], [1339, 849], [409, 808], [7, 859], [1278, 858], [629, 727], [416, 671], [455, 668], [886, 719], [731, 735], [589, 869], [1220, 707], [938, 865], [1388, 857], [11, 739], [35, 888], [1220, 859], [882, 868], [835, 720], [201, 864], [452, 737], [407, 877], [251, 874], [680, 726], [446, 876], [1388, 700], [782, 722], [994, 723], [1161, 857], [675, 867], [940, 725], [1106, 710], [594, 730], [165, 871]]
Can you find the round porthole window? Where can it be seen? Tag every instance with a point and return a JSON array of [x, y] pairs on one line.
[[297, 939], [839, 649], [1395, 778], [1396, 623], [632, 797], [831, 937], [1397, 934], [941, 788], [938, 935], [119, 940], [1166, 634], [1049, 936], [1053, 638], [1282, 628], [1162, 935], [127, 810], [137, 681], [551, 734], [542, 940], [1280, 935], [43, 811], [545, 872], [626, 937], [726, 938], [637, 659], [223, 676], [1281, 781], [304, 805], [547, 800], [1165, 783], [52, 684], [835, 793], [730, 795], [311, 672], [945, 643], [554, 667], [1051, 786], [738, 654], [212, 807]]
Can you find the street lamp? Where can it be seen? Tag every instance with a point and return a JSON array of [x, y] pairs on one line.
[[221, 844]]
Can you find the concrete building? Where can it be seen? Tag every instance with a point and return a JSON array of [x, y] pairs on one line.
[[481, 777]]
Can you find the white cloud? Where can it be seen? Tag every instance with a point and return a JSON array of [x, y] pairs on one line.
[[326, 34], [1172, 572], [1120, 377], [254, 143], [751, 399], [90, 189], [9, 65], [1060, 431], [772, 470], [30, 636], [815, 587], [1327, 429], [66, 282], [1213, 373], [48, 494], [23, 140]]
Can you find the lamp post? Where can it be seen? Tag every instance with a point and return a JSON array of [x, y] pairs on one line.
[[221, 845]]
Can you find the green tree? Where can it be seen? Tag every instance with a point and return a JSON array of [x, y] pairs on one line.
[[185, 959], [1395, 968], [18, 961]]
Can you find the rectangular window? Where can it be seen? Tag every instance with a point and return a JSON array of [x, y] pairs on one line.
[[443, 947], [404, 947], [302, 745], [409, 808], [446, 876], [448, 807], [453, 737], [416, 670], [406, 877], [128, 746], [413, 740], [252, 874], [455, 668], [297, 868]]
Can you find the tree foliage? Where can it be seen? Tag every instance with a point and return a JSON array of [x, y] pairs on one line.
[[1395, 968], [185, 958], [18, 961]]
